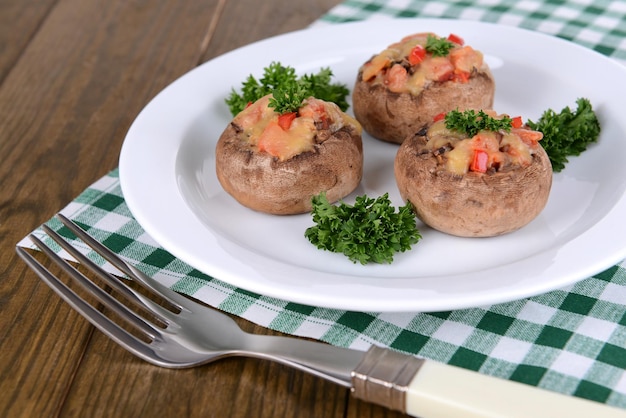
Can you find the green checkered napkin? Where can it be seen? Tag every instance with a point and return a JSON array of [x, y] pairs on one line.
[[596, 24], [571, 340]]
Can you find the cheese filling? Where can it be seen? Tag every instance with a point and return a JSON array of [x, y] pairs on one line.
[[408, 66], [315, 121], [485, 152]]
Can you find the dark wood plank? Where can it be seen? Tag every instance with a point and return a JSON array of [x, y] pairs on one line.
[[247, 21], [19, 22], [64, 109], [360, 409], [38, 363], [81, 93]]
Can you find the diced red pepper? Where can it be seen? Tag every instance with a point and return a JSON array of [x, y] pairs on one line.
[[479, 162], [439, 117], [456, 39], [417, 55], [517, 122], [462, 76], [284, 120]]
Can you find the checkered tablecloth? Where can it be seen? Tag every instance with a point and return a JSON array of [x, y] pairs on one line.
[[596, 24], [570, 340]]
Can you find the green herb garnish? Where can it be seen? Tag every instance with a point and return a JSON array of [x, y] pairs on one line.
[[438, 47], [567, 133], [369, 231], [288, 98], [471, 122], [288, 89], [321, 88]]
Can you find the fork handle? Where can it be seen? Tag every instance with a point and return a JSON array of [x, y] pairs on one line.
[[428, 389]]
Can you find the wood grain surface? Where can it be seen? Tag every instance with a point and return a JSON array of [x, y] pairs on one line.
[[73, 76]]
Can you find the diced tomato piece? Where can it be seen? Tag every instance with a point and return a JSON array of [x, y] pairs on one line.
[[253, 113], [277, 142], [439, 117], [273, 139], [466, 59], [517, 122], [284, 120], [396, 78], [456, 39], [528, 136], [417, 55], [479, 162], [438, 69], [315, 110], [285, 144], [462, 76]]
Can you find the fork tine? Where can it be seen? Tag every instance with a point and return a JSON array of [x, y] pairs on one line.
[[94, 316], [134, 273], [155, 309], [119, 308]]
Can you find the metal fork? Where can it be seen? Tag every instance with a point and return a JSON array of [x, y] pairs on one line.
[[179, 333]]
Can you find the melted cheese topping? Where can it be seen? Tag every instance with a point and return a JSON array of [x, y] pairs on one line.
[[259, 126], [505, 150], [392, 67]]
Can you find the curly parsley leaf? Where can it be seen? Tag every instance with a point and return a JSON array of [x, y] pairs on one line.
[[288, 89], [471, 122], [321, 88], [567, 133], [438, 47], [369, 231], [276, 75], [288, 98], [251, 89]]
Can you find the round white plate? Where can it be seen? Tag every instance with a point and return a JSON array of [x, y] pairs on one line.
[[168, 179]]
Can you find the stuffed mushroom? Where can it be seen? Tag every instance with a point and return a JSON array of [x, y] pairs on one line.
[[275, 163], [399, 91], [488, 182]]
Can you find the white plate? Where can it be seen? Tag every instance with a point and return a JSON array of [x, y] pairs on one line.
[[168, 179]]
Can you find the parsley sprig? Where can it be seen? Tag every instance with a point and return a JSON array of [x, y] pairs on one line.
[[369, 231], [288, 98], [288, 89], [438, 47], [471, 122], [567, 133]]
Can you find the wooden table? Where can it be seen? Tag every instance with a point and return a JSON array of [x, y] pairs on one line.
[[73, 76]]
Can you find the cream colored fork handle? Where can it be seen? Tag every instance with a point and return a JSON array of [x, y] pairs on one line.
[[428, 389], [440, 390]]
